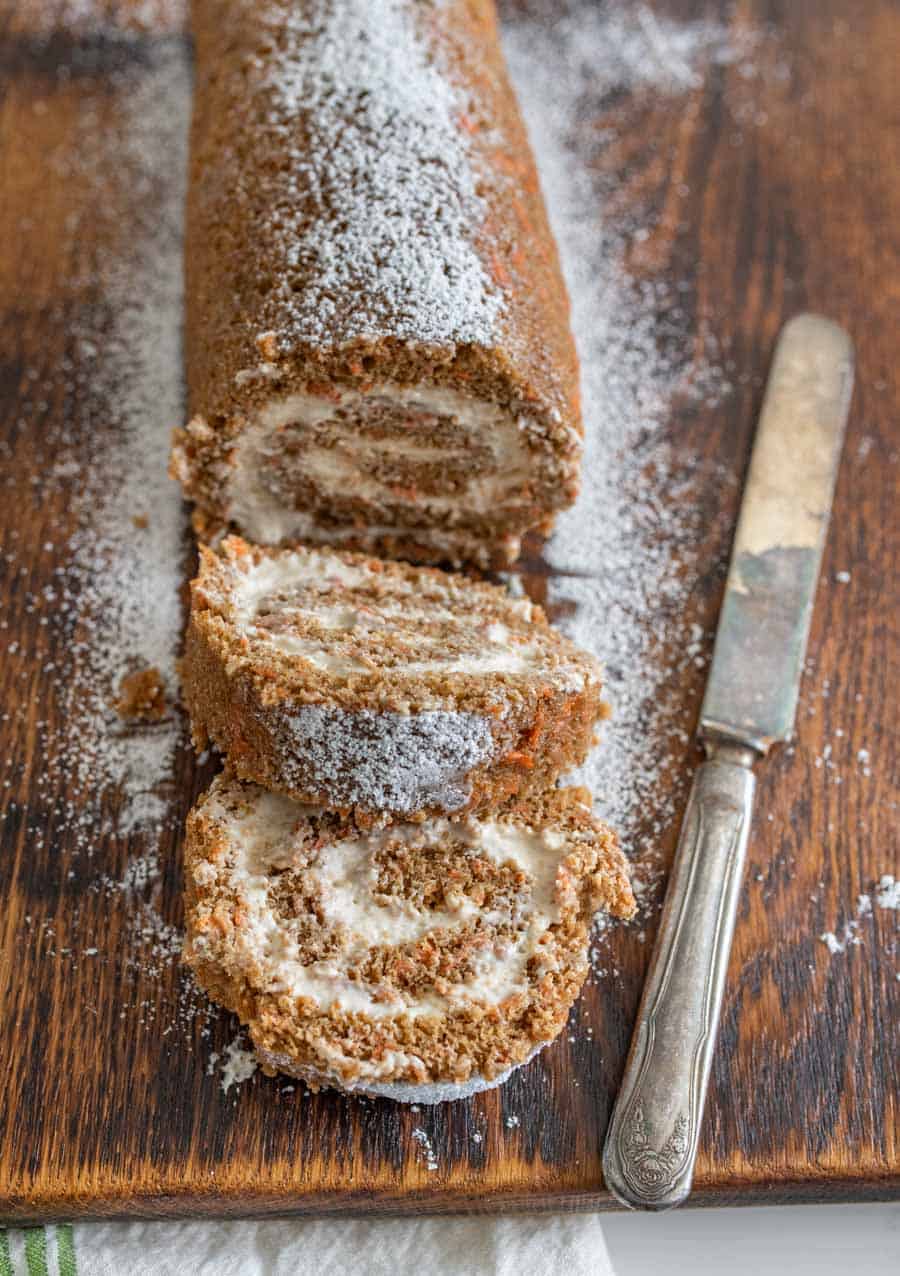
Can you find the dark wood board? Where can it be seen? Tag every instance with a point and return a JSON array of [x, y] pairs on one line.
[[105, 1115]]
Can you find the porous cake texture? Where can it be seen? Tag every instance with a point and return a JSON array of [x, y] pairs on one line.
[[423, 960], [386, 688], [378, 345]]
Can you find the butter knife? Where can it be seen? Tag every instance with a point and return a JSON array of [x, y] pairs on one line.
[[749, 705]]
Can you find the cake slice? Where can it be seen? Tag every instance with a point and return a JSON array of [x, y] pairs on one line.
[[377, 329], [420, 961], [393, 690]]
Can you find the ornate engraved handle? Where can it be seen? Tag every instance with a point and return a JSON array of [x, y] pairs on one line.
[[651, 1144]]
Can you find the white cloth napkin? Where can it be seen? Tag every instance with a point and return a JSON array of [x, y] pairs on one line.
[[542, 1245]]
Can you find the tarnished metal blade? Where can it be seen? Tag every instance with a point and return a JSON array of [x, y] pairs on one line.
[[751, 695]]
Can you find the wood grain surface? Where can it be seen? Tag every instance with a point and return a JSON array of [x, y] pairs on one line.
[[104, 1112]]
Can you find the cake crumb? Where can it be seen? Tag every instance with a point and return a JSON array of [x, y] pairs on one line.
[[239, 1066], [142, 696]]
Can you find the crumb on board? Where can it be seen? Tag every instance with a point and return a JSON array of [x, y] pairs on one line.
[[142, 696], [239, 1065]]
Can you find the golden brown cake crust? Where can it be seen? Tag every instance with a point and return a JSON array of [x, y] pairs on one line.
[[351, 717], [323, 1031], [268, 315]]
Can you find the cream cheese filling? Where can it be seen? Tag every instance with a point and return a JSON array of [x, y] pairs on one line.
[[345, 469], [496, 658], [317, 576], [344, 874]]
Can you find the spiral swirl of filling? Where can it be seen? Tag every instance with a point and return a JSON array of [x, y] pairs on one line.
[[375, 944], [422, 461]]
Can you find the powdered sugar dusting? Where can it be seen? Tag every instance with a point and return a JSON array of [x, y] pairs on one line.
[[118, 542], [379, 119], [426, 1148], [624, 551], [887, 894], [116, 595], [386, 761], [884, 897]]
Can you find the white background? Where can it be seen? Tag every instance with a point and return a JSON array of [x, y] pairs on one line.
[[797, 1240]]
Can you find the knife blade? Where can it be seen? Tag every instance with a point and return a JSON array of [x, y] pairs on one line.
[[751, 695], [750, 703]]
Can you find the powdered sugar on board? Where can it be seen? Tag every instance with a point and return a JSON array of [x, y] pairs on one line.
[[865, 926], [425, 1147], [115, 596], [102, 786], [624, 553], [379, 119]]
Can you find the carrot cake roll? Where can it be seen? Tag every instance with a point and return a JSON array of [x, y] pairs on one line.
[[378, 343], [351, 682], [422, 961]]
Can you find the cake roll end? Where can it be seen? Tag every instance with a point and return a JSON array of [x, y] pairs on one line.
[[378, 345]]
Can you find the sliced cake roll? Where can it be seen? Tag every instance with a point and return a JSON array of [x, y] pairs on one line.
[[422, 961], [350, 682], [378, 344]]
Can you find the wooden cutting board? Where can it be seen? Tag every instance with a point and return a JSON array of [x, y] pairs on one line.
[[109, 1102]]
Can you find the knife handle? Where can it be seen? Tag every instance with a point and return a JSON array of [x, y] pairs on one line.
[[651, 1144]]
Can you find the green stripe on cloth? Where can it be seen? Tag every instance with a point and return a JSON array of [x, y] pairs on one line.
[[36, 1251], [65, 1251], [5, 1264]]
